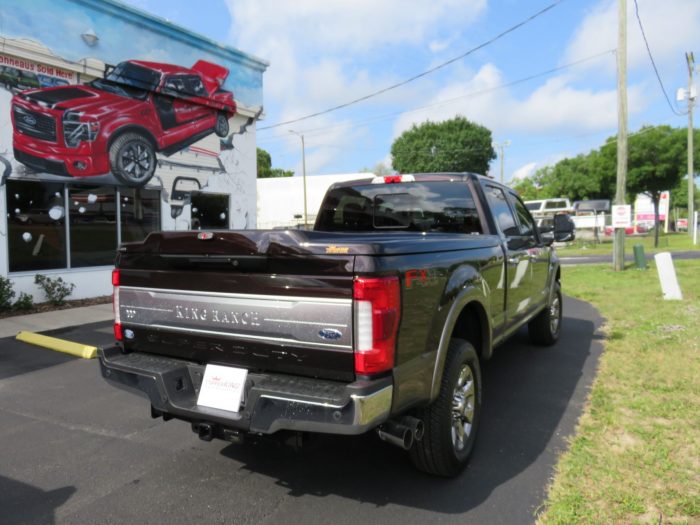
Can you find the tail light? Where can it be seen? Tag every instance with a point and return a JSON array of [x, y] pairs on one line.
[[118, 335], [377, 304]]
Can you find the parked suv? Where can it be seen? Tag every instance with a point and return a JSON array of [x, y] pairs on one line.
[[119, 122]]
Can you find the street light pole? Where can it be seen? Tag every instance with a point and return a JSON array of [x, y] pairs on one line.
[[303, 164], [501, 147]]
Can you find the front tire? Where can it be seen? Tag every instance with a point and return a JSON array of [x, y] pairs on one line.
[[221, 128], [452, 420], [545, 328], [132, 159]]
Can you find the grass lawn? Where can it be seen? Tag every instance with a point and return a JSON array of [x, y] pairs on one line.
[[635, 457], [667, 242]]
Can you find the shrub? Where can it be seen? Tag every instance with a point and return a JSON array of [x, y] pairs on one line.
[[25, 301], [56, 290], [6, 293]]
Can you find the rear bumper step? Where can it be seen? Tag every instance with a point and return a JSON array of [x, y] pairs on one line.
[[272, 401]]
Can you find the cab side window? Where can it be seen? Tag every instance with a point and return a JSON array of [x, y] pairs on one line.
[[501, 210], [526, 224]]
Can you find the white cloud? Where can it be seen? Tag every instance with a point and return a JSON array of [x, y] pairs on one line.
[[523, 172], [671, 27], [556, 106], [317, 48]]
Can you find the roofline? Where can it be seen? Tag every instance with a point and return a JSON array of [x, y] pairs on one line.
[[437, 176], [164, 27]]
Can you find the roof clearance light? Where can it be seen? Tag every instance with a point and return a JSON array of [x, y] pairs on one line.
[[393, 179]]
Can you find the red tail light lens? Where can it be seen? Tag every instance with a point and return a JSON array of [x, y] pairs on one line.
[[115, 306], [377, 309], [118, 334]]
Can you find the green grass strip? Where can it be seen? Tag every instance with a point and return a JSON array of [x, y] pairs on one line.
[[635, 456]]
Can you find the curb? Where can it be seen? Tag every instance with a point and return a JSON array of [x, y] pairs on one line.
[[59, 345]]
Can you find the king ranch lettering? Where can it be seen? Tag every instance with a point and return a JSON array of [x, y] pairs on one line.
[[217, 316]]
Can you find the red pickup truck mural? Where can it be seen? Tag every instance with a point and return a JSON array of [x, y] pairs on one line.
[[117, 124]]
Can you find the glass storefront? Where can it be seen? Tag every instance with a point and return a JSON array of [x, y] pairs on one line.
[[48, 222], [209, 210]]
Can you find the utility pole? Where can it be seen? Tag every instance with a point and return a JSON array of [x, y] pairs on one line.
[[690, 59], [619, 247], [501, 148], [303, 164]]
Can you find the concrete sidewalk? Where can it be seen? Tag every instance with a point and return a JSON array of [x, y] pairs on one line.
[[44, 321]]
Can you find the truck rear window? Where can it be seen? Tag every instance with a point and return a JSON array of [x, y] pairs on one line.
[[439, 206]]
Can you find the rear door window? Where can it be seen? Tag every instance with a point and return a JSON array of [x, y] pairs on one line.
[[501, 210]]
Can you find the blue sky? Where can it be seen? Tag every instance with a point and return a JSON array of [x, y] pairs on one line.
[[323, 53]]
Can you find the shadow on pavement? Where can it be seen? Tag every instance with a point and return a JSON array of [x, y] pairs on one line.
[[533, 397], [23, 503], [17, 357]]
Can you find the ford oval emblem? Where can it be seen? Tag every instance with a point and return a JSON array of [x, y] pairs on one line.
[[28, 119], [330, 333]]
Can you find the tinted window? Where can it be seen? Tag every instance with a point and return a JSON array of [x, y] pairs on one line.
[[555, 204], [525, 222], [93, 226], [36, 232], [533, 206], [140, 213], [209, 210], [134, 75], [501, 210], [415, 206]]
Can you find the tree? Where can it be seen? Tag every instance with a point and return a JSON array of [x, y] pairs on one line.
[[453, 145], [264, 163], [655, 164], [265, 169]]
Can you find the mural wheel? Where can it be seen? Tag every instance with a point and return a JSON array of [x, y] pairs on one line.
[[221, 128], [132, 159]]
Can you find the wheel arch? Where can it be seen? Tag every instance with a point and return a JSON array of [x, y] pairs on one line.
[[467, 319], [132, 128]]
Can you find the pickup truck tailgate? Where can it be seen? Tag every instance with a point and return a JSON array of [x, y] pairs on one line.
[[229, 300]]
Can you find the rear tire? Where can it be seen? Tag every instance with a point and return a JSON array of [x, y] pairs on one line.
[[545, 328], [452, 420], [132, 159]]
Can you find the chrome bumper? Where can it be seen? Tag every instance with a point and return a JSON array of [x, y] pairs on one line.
[[272, 401]]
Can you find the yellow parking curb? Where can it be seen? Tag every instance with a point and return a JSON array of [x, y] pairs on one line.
[[59, 345]]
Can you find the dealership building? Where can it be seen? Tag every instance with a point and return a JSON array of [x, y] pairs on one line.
[[91, 156]]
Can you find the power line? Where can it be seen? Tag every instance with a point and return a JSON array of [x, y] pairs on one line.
[[656, 71], [419, 75], [442, 102]]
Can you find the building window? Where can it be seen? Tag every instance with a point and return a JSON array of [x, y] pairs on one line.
[[140, 213], [93, 225], [209, 210], [36, 225], [39, 240]]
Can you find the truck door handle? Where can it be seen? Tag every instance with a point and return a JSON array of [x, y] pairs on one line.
[[513, 260]]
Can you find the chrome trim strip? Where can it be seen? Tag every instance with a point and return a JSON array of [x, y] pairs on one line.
[[266, 298], [230, 335]]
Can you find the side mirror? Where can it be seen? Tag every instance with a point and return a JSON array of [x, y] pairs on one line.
[[564, 228]]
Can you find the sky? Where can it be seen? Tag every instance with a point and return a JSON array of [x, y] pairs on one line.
[[548, 88]]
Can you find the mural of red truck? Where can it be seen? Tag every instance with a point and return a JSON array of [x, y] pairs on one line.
[[117, 124]]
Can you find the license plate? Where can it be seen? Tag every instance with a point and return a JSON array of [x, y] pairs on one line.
[[223, 387]]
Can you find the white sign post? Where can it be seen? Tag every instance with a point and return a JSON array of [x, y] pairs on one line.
[[667, 275], [621, 216]]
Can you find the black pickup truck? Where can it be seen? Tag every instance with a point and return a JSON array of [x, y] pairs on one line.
[[375, 320]]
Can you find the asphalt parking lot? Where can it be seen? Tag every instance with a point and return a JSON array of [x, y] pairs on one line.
[[76, 450]]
